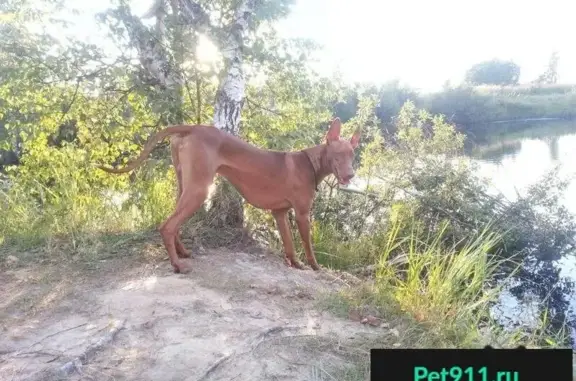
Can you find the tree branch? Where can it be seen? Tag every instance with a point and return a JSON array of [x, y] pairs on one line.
[[258, 105], [194, 15], [154, 57], [69, 106]]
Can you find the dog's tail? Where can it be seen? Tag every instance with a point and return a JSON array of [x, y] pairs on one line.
[[149, 147]]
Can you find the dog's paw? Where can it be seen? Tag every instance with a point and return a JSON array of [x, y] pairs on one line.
[[182, 267], [297, 265]]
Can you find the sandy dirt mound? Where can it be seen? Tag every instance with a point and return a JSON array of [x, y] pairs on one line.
[[236, 316]]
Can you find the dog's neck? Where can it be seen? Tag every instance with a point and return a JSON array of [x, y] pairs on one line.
[[319, 162]]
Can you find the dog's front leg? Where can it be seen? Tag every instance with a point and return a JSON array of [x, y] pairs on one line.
[[281, 217], [303, 222]]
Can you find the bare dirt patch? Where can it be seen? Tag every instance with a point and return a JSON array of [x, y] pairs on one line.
[[236, 316]]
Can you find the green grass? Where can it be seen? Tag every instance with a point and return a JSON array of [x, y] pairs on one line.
[[332, 252], [33, 214], [433, 280], [442, 293], [430, 295]]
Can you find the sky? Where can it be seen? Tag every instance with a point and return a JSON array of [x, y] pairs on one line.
[[422, 43]]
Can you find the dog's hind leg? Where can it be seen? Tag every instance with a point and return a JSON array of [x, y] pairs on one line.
[[197, 173], [175, 143], [190, 201]]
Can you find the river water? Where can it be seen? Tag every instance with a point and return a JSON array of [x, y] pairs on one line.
[[515, 160]]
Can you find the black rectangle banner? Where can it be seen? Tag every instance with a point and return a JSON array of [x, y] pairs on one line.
[[471, 364]]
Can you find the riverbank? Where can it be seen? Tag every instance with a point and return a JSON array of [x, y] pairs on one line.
[[477, 111], [481, 112]]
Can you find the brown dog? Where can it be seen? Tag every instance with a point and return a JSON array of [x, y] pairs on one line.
[[270, 180]]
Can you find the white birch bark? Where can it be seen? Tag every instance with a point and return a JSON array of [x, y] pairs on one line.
[[160, 65], [157, 61], [232, 89], [193, 14]]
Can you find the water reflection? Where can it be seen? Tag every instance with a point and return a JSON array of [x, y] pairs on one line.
[[495, 153], [517, 160], [552, 142]]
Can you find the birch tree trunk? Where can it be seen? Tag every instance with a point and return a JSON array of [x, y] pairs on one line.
[[161, 74], [226, 203], [177, 45], [162, 70], [232, 90]]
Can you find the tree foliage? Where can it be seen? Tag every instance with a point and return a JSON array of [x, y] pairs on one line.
[[550, 76], [493, 72]]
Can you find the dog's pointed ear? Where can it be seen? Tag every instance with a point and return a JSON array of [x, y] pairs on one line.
[[355, 139], [334, 130]]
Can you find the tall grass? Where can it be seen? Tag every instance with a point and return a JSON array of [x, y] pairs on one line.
[[331, 251], [432, 280], [32, 212], [442, 293], [447, 286]]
